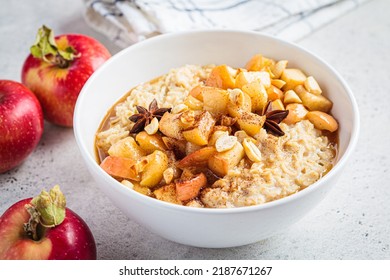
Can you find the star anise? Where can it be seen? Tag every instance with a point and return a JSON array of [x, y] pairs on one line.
[[273, 118], [144, 116]]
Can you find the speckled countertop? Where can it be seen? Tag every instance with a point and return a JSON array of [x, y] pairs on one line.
[[353, 222]]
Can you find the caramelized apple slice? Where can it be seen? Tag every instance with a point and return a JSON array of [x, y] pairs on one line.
[[259, 62], [255, 63], [220, 163], [126, 148], [296, 113], [313, 102], [201, 130], [197, 92], [215, 100], [293, 77], [150, 143], [274, 93], [291, 96], [279, 68], [258, 94], [197, 158], [277, 104], [120, 167], [178, 147], [152, 174], [322, 121], [251, 123], [222, 76], [167, 193], [193, 103], [170, 126], [244, 78], [189, 188]]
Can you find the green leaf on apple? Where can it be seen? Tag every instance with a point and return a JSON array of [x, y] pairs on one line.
[[45, 48]]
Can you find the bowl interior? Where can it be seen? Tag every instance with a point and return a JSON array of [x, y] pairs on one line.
[[154, 57]]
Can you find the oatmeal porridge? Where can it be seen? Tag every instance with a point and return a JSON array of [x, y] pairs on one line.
[[220, 137]]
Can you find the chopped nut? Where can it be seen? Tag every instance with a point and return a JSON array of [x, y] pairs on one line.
[[179, 108], [168, 175], [312, 86], [225, 143], [235, 96], [251, 150], [152, 128], [140, 165], [217, 134], [238, 100], [228, 129], [128, 184], [228, 121], [241, 135], [187, 119]]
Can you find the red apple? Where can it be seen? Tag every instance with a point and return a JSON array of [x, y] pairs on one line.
[[29, 230], [21, 124], [57, 69]]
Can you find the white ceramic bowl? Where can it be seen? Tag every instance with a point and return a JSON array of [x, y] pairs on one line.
[[214, 228]]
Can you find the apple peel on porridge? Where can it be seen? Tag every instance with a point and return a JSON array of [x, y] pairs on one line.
[[220, 137]]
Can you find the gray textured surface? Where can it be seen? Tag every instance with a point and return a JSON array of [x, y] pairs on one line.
[[353, 222]]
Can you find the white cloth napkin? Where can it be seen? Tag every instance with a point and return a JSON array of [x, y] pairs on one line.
[[129, 21]]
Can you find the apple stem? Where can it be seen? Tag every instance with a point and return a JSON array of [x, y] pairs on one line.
[[45, 48], [60, 62], [30, 228]]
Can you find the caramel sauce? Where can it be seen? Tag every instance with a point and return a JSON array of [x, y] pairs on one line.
[[100, 155], [333, 138]]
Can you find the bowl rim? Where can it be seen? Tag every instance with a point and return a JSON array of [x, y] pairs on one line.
[[170, 206]]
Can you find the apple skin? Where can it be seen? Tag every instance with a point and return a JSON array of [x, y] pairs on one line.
[[58, 88], [21, 124], [71, 240]]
